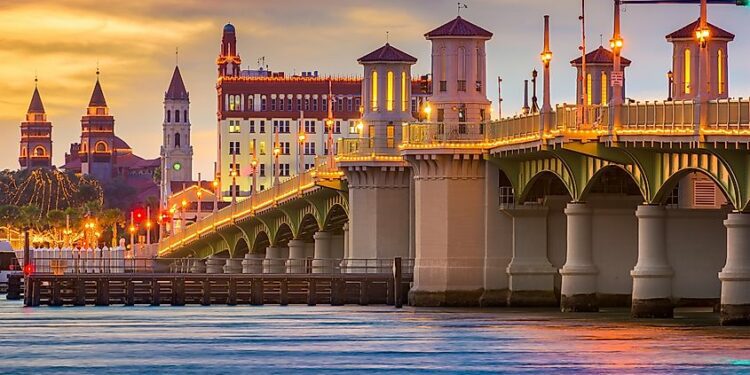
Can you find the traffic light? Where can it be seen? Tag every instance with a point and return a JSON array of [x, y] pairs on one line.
[[139, 215], [165, 217]]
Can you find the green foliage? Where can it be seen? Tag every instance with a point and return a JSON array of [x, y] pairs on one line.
[[118, 194], [47, 189]]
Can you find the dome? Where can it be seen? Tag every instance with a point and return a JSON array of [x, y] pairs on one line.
[[229, 28]]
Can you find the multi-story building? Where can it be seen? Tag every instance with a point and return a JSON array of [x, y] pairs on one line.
[[260, 111]]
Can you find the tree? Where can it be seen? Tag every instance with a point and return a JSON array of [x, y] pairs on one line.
[[112, 217], [9, 216]]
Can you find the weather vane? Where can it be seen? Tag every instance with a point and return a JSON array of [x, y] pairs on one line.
[[461, 5]]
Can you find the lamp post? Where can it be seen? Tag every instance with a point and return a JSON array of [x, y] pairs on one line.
[[670, 85], [215, 184], [301, 160], [148, 225], [276, 154], [546, 57], [183, 218]]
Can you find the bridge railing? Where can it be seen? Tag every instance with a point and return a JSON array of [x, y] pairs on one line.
[[516, 127], [729, 116], [657, 116], [442, 134]]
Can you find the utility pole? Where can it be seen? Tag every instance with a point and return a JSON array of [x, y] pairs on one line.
[[499, 98]]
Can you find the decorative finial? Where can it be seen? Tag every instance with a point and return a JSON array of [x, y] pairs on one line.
[[461, 5], [97, 69], [36, 79], [177, 55], [387, 36], [601, 40]]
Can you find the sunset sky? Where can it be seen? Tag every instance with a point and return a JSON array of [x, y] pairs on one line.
[[134, 45]]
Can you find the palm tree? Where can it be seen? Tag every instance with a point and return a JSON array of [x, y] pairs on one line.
[[112, 217], [56, 220]]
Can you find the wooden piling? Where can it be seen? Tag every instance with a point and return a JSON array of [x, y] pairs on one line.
[[337, 292], [178, 291], [364, 298], [55, 298], [284, 292], [102, 292], [398, 283], [206, 289], [312, 292], [79, 294], [232, 296], [35, 292], [256, 294], [155, 292], [14, 287], [129, 293]]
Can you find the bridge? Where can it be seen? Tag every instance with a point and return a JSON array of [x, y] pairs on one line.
[[585, 206]]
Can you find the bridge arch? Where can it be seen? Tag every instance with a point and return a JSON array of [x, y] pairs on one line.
[[335, 218], [544, 183], [611, 178], [307, 227], [240, 248], [283, 235], [661, 195], [532, 170], [260, 243]]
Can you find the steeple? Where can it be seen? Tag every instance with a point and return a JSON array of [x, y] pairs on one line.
[[97, 96], [176, 90], [36, 105], [36, 135]]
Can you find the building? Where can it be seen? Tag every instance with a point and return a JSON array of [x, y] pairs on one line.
[[599, 67], [106, 157], [176, 150], [36, 136], [260, 111]]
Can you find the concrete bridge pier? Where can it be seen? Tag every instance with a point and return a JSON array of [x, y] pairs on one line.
[[276, 259], [578, 291], [652, 275], [532, 276], [735, 276], [233, 265], [322, 262], [253, 263], [297, 255], [215, 264]]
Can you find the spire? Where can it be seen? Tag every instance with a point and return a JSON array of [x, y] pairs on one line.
[[36, 105], [176, 88], [97, 97]]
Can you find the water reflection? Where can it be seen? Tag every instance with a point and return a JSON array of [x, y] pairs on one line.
[[273, 339]]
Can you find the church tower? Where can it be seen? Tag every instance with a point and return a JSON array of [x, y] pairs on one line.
[[97, 137], [229, 61], [36, 136], [176, 151]]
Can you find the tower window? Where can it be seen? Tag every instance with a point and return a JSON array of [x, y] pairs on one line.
[[101, 146], [588, 89], [184, 116], [687, 71], [374, 91], [176, 116], [720, 65], [40, 151], [605, 88], [169, 115], [389, 100], [23, 151], [177, 139]]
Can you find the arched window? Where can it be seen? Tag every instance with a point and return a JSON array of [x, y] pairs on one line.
[[687, 71], [389, 99], [169, 115], [177, 116], [605, 88], [84, 147], [374, 91], [177, 140], [40, 151], [184, 116], [720, 64], [100, 146], [404, 93], [23, 151], [588, 89], [462, 57]]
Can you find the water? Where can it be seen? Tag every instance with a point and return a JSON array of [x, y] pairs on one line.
[[354, 339]]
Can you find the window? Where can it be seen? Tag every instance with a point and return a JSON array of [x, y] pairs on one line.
[[100, 147], [236, 189], [352, 127], [358, 103], [309, 166], [325, 104], [374, 91], [349, 103], [177, 140], [289, 103], [404, 93], [307, 104], [440, 115], [40, 151], [250, 103], [389, 92], [720, 65], [390, 132], [176, 116], [588, 89], [605, 88], [284, 169], [371, 135], [687, 72], [462, 114], [251, 147], [263, 103], [262, 126], [315, 104], [480, 59], [337, 127], [443, 86], [23, 151], [262, 148], [252, 126], [285, 149], [273, 104], [461, 85], [284, 126], [310, 126], [262, 172], [340, 104], [299, 104], [234, 148], [234, 169], [309, 148], [234, 126], [262, 187], [184, 116], [169, 116]]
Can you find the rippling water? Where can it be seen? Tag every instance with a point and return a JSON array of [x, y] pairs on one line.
[[324, 339]]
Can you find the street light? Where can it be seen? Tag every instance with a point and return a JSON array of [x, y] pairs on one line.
[[703, 34], [670, 80], [427, 110]]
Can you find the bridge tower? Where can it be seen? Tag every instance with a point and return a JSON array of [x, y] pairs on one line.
[[380, 181], [599, 67]]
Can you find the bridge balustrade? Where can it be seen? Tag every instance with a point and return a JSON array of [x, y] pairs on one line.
[[657, 116], [729, 116], [516, 127], [441, 134]]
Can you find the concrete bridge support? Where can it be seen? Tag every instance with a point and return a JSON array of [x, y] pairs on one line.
[[530, 271], [322, 263], [579, 274], [735, 276], [297, 255], [652, 275], [253, 263], [498, 242], [449, 225], [233, 265], [276, 259]]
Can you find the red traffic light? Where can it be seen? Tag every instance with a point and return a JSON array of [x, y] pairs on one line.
[[139, 215]]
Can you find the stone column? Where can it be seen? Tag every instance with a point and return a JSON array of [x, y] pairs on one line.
[[233, 265], [275, 260], [321, 264], [735, 276], [579, 272], [215, 264], [532, 277], [253, 263], [296, 262], [652, 275]]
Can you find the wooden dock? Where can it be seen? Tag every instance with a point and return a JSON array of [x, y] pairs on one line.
[[208, 289]]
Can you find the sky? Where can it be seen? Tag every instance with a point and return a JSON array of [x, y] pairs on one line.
[[133, 43]]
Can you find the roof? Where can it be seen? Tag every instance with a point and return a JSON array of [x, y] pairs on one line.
[[229, 28], [176, 88], [121, 144], [459, 27], [600, 55], [36, 105], [97, 97], [387, 53], [688, 32], [178, 186]]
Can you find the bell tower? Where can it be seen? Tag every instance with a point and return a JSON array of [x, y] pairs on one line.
[[97, 137], [229, 61], [36, 136], [176, 151]]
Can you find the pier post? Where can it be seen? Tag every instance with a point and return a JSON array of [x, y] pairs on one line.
[[155, 292], [284, 291], [312, 292], [579, 272], [735, 276], [652, 275], [256, 295], [206, 290], [102, 292], [397, 281], [55, 299], [178, 291], [129, 293], [232, 296], [80, 292]]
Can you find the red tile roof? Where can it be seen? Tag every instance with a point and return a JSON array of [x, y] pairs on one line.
[[602, 56], [176, 86], [459, 27], [688, 32], [387, 53], [36, 105]]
